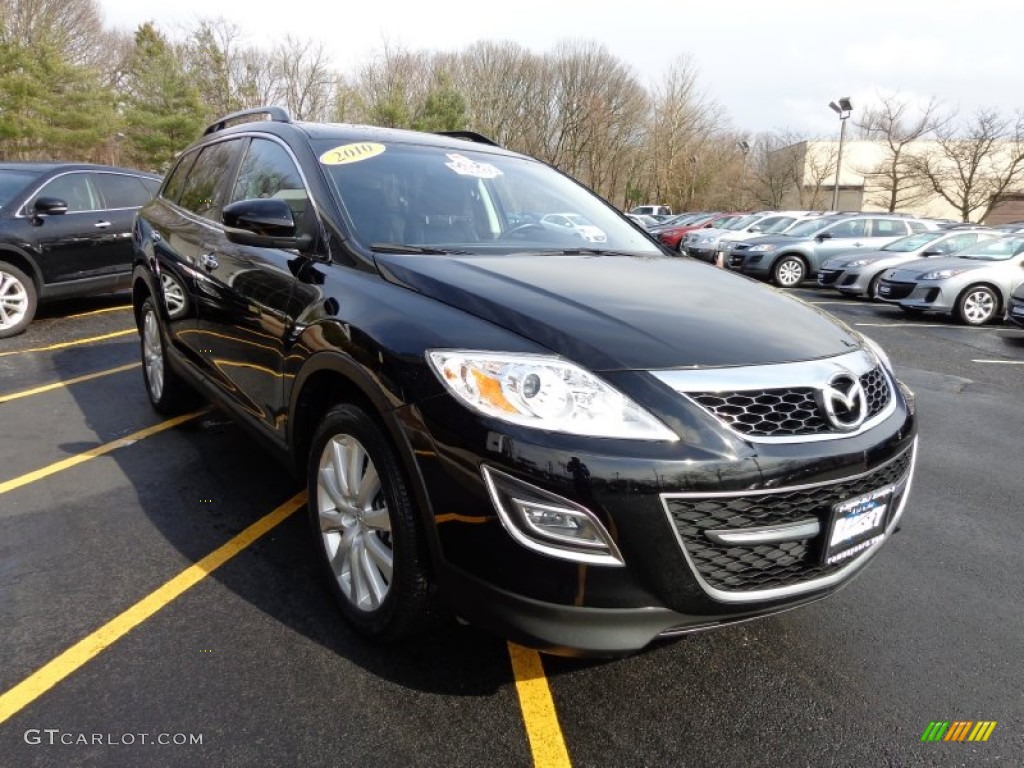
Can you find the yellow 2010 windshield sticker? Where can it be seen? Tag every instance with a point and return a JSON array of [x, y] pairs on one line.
[[351, 153]]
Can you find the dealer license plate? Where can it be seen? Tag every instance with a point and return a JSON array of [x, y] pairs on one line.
[[857, 524]]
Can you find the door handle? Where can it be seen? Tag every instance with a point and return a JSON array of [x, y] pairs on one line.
[[102, 224], [856, 245], [209, 261]]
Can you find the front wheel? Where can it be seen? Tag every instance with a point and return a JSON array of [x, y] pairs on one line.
[[788, 272], [367, 527], [977, 305], [17, 300]]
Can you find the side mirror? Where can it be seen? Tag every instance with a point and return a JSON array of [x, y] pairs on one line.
[[262, 223], [823, 236], [931, 252], [49, 206]]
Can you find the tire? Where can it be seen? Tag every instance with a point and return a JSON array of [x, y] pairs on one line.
[[789, 272], [873, 286], [373, 551], [169, 394], [18, 300], [977, 305]]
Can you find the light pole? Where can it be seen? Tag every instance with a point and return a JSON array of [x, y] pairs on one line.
[[693, 177], [843, 109], [744, 148]]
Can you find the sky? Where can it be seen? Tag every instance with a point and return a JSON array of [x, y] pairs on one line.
[[772, 66]]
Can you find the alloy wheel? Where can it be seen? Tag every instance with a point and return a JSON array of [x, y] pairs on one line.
[[355, 523], [13, 301], [153, 355], [979, 306]]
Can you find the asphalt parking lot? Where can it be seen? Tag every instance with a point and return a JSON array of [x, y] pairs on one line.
[[156, 585]]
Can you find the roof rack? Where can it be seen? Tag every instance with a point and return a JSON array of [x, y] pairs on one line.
[[479, 138], [276, 114]]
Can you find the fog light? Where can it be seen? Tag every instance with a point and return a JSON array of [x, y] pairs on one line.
[[550, 524]]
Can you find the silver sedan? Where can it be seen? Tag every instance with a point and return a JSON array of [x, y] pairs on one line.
[[974, 286], [858, 274]]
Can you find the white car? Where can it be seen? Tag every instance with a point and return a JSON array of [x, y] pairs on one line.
[[576, 224]]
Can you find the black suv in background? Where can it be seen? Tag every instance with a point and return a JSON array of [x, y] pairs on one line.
[[65, 230], [583, 446]]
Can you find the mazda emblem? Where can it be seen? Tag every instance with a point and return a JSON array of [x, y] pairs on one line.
[[844, 402]]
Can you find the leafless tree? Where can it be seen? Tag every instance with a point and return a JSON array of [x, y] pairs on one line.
[[970, 169], [73, 27], [899, 130], [305, 78]]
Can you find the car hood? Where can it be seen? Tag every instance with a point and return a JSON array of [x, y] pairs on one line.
[[774, 240], [627, 312], [918, 268]]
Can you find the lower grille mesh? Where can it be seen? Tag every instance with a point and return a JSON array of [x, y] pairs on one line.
[[743, 568]]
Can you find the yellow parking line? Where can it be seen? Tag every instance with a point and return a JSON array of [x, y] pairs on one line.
[[51, 673], [99, 312], [539, 715], [65, 344], [67, 383], [92, 453]]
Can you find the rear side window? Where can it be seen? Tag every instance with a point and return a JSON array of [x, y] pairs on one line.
[[122, 191], [917, 226], [202, 190], [887, 228]]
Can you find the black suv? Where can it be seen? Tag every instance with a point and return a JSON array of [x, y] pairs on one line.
[[65, 230], [581, 446]]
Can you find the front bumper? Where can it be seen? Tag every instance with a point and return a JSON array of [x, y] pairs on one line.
[[674, 579], [932, 295], [1015, 312], [708, 254], [757, 263]]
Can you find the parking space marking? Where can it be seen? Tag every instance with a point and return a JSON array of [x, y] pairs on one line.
[[92, 453], [921, 325], [1000, 362], [99, 312], [545, 734], [64, 344], [66, 383], [51, 673]]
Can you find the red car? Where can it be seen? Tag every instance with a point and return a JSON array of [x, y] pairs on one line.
[[674, 235]]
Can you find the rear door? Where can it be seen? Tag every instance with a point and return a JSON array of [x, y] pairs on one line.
[[843, 236], [122, 195]]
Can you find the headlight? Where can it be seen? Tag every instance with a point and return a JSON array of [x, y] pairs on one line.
[[705, 240], [762, 248], [878, 352], [859, 263], [941, 274], [543, 392]]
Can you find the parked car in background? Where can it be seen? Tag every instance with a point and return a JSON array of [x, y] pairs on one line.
[[576, 224], [576, 448], [644, 220], [858, 274], [65, 230], [672, 236], [652, 210], [790, 258], [1015, 307], [772, 223], [974, 286]]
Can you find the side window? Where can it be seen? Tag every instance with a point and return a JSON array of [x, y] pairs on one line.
[[74, 189], [122, 191], [201, 193], [887, 228], [176, 178], [268, 170], [152, 185], [959, 242], [850, 228], [917, 226]]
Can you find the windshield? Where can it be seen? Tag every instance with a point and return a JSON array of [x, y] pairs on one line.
[[741, 222], [912, 242], [780, 225], [811, 227], [13, 182], [443, 199], [994, 250]]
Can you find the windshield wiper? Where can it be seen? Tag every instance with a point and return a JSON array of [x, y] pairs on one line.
[[403, 248], [592, 252]]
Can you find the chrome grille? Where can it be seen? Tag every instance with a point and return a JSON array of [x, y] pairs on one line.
[[737, 568], [787, 411]]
